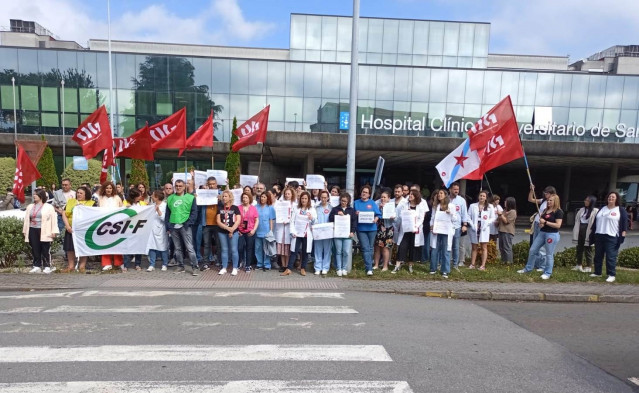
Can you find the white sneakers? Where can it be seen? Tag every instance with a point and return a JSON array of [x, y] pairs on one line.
[[234, 272], [595, 275], [35, 270], [586, 270], [150, 269], [223, 271], [540, 270], [48, 270], [164, 268], [545, 277], [610, 279], [522, 271], [577, 268], [107, 268], [339, 273], [344, 272], [317, 272], [369, 273], [324, 272]]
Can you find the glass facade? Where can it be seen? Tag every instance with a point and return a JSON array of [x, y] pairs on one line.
[[417, 78]]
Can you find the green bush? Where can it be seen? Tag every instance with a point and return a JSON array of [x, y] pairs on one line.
[[629, 258], [7, 173], [139, 173], [90, 176], [232, 165], [12, 244], [493, 255], [520, 252], [46, 167], [567, 257]]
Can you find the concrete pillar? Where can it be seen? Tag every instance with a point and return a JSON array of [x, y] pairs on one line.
[[566, 189], [612, 185], [462, 187], [310, 163]]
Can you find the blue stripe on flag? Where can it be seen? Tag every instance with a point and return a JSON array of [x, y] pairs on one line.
[[453, 175]]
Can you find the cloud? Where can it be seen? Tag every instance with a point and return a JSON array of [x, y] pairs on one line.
[[221, 22]]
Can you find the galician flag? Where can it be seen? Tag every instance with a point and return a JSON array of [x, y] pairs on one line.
[[462, 163]]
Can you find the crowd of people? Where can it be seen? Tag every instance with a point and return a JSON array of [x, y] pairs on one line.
[[397, 228]]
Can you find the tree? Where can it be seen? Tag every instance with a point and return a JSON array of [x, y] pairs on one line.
[[7, 173], [139, 173], [46, 167], [91, 176], [232, 165]]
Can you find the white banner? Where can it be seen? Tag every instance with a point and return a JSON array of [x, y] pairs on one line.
[[315, 182], [200, 179], [219, 175], [248, 180], [206, 197], [181, 176], [102, 231]]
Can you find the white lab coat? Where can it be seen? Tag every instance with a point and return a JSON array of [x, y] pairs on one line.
[[309, 234], [421, 211], [159, 240], [486, 217]]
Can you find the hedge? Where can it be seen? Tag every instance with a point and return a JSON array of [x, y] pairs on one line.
[[13, 248]]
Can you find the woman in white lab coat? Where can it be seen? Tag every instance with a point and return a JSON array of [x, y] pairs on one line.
[[410, 239], [482, 215]]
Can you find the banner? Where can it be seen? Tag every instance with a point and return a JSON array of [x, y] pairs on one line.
[[119, 231]]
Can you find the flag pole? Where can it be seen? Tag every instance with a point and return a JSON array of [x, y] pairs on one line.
[[489, 187], [15, 115], [528, 172], [259, 168]]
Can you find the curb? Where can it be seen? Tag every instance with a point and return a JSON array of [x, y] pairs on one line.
[[527, 296]]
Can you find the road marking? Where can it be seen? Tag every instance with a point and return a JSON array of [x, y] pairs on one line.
[[22, 310], [634, 380], [203, 309], [195, 353], [261, 386], [138, 294]]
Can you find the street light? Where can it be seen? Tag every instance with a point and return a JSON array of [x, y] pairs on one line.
[[15, 114], [64, 143]]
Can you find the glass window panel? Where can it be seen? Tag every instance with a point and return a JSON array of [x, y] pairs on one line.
[[474, 86], [374, 58], [276, 78], [385, 81], [375, 35], [330, 80], [145, 102], [435, 61], [466, 39], [456, 86], [29, 98], [50, 120], [492, 87], [239, 76], [183, 99], [593, 117], [577, 116], [596, 91], [328, 56], [104, 99], [561, 90], [420, 38], [421, 84], [125, 70], [49, 97], [579, 91], [125, 102], [389, 59], [71, 121], [420, 60], [451, 39], [438, 85], [482, 35], [238, 107], [611, 119], [257, 77], [201, 71], [28, 61], [125, 125], [70, 100], [419, 109], [276, 113], [436, 114], [630, 99], [221, 75], [313, 32], [449, 61], [256, 104], [88, 62], [544, 89], [401, 109], [365, 109], [344, 34], [310, 112], [527, 87], [6, 96], [164, 104], [560, 115], [329, 33], [402, 85], [343, 57], [524, 113], [312, 80], [363, 35], [87, 100], [294, 107], [294, 79], [465, 62], [629, 119], [436, 38], [31, 119], [313, 55], [297, 54], [404, 60], [367, 82], [405, 37], [329, 112], [298, 31], [47, 61], [9, 59], [480, 62], [391, 34], [67, 60], [614, 91], [472, 112], [345, 82], [509, 86]]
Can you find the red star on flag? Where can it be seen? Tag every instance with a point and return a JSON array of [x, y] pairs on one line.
[[460, 159]]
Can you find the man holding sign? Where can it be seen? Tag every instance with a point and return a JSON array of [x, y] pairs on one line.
[[367, 215], [208, 216]]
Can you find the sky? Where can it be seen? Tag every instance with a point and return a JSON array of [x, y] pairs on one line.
[[577, 28]]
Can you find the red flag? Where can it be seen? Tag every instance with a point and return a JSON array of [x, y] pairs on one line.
[[253, 131], [94, 134], [500, 116], [137, 145], [202, 137], [26, 173], [107, 161], [170, 133]]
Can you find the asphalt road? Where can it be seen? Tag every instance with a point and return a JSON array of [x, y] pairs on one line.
[[271, 341]]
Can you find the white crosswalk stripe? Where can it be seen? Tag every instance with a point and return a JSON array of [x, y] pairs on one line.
[[258, 386], [634, 380], [139, 294], [185, 309]]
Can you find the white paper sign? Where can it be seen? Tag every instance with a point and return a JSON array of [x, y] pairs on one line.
[[237, 196], [342, 226], [366, 217], [323, 231], [389, 211], [301, 225], [181, 176], [334, 200], [219, 175], [282, 212], [248, 180], [297, 179], [200, 178], [409, 220], [442, 224], [315, 182], [206, 197]]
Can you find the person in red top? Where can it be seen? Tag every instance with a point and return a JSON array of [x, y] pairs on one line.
[[247, 228]]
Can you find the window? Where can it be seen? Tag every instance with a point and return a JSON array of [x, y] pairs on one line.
[[49, 99], [29, 97]]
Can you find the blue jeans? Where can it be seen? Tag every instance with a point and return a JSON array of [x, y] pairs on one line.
[[548, 241], [246, 246], [605, 244], [127, 259], [322, 254], [197, 241], [184, 234], [540, 260], [300, 247], [367, 239], [343, 247], [229, 244], [455, 250], [426, 249], [209, 233], [153, 254], [263, 261], [441, 255]]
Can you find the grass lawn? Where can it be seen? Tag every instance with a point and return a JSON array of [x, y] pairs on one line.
[[493, 273]]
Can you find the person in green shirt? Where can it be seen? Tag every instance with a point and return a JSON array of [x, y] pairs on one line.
[[181, 215]]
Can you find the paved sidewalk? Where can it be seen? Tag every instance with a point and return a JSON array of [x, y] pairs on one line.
[[559, 292]]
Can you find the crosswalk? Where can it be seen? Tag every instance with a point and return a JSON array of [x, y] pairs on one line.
[[237, 334]]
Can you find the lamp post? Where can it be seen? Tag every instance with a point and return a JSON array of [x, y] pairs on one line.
[[64, 143], [15, 114]]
